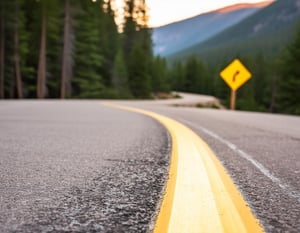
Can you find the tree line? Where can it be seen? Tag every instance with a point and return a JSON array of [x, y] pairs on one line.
[[274, 86], [75, 49]]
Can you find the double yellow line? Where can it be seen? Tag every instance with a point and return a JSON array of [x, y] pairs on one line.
[[199, 196]]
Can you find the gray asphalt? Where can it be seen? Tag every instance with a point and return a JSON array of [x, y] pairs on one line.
[[77, 166], [261, 152]]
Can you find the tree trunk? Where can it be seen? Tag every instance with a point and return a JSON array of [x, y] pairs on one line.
[[17, 55], [41, 79], [66, 66], [2, 51]]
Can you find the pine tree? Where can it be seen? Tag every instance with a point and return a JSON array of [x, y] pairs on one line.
[[259, 74], [41, 72], [192, 75], [31, 33], [67, 59], [272, 88], [109, 42], [137, 42], [7, 51], [160, 79], [55, 27], [139, 79], [54, 48], [45, 26], [2, 48], [12, 48], [120, 77], [289, 97], [130, 32], [17, 52], [177, 76], [87, 81]]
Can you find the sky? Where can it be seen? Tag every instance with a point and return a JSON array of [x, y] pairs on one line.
[[166, 11]]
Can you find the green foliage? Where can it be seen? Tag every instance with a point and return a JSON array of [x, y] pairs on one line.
[[109, 42], [120, 77], [191, 76], [139, 79], [100, 59], [257, 94], [54, 46], [109, 64], [87, 81], [177, 76], [160, 77], [192, 73], [275, 82], [267, 31], [137, 47], [130, 32], [289, 96], [23, 45]]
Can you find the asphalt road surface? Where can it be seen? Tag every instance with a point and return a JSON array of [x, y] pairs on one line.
[[84, 167], [261, 152], [77, 166]]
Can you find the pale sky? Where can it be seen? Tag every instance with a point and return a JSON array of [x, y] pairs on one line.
[[166, 11]]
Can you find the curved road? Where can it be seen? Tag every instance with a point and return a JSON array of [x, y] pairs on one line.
[[81, 166], [261, 152], [77, 166]]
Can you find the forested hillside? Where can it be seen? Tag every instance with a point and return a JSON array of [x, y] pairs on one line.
[[74, 49], [180, 35], [267, 43], [260, 32]]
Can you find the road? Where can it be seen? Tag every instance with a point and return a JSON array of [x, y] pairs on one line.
[[79, 165], [259, 151]]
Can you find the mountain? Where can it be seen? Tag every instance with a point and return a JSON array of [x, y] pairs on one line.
[[267, 31], [186, 33]]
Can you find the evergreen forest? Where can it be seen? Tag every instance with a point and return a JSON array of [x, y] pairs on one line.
[[75, 49], [274, 86]]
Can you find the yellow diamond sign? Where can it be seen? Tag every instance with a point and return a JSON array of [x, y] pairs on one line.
[[235, 74]]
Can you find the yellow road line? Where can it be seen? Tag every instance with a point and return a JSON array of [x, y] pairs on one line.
[[200, 196]]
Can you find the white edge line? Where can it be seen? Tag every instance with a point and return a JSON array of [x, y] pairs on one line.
[[292, 193]]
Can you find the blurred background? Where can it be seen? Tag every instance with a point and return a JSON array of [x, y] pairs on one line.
[[138, 49]]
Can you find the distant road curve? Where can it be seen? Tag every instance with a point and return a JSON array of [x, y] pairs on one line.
[[188, 99]]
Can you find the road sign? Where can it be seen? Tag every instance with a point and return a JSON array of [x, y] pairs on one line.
[[235, 74]]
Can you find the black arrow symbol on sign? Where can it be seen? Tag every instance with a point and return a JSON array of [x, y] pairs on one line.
[[234, 76]]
